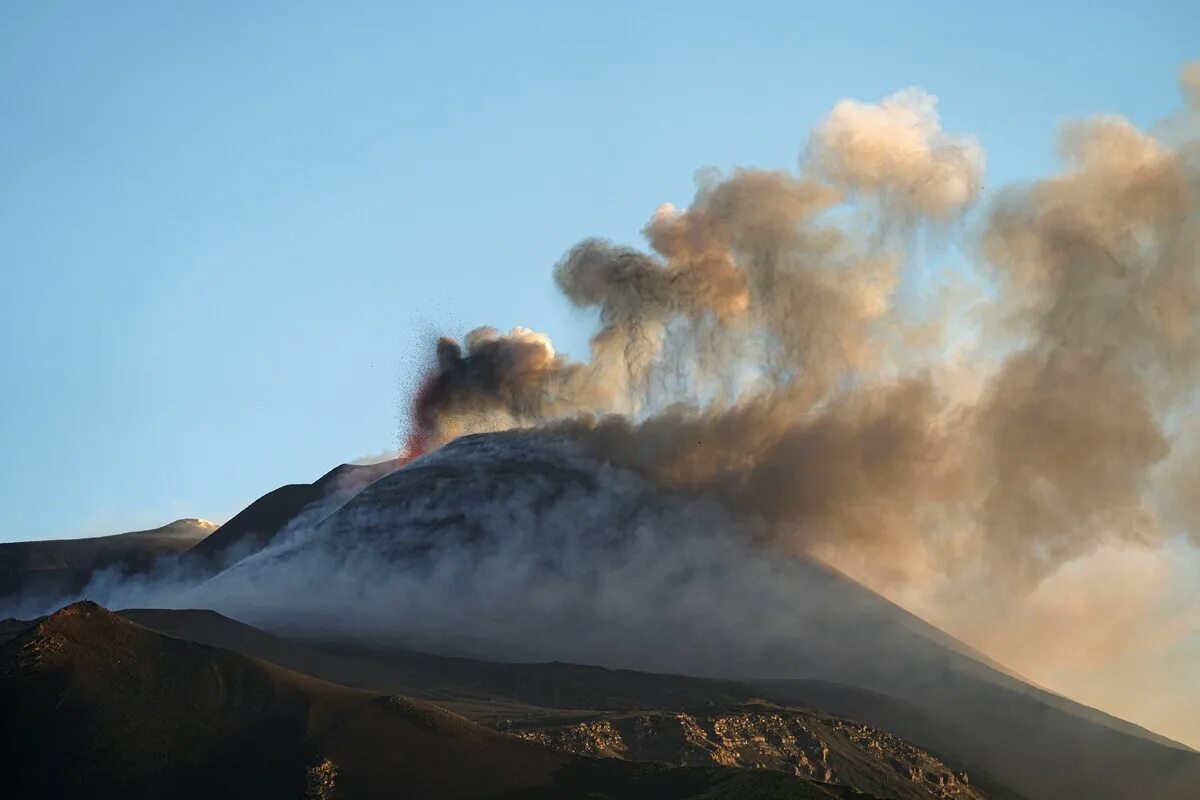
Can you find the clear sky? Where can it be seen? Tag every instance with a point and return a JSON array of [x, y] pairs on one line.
[[228, 229]]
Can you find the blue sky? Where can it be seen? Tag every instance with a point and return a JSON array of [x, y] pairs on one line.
[[228, 233]]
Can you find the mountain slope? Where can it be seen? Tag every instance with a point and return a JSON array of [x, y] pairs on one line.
[[1012, 739], [63, 566], [136, 713], [608, 713], [258, 523], [490, 689], [518, 546], [92, 705]]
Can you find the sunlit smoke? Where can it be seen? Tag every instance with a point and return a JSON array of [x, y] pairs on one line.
[[1189, 80], [761, 350], [898, 151]]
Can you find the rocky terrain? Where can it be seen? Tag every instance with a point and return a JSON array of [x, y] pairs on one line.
[[799, 742]]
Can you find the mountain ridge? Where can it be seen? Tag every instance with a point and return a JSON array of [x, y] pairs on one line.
[[139, 714], [58, 567]]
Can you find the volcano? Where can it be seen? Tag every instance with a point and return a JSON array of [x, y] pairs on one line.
[[522, 547]]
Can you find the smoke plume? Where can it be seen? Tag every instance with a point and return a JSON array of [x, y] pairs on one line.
[[784, 346], [762, 350], [897, 151], [1189, 80]]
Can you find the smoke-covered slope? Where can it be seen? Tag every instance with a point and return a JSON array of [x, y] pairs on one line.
[[259, 523], [507, 543], [519, 546], [61, 566]]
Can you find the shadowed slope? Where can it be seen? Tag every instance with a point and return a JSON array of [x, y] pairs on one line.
[[56, 567], [445, 678], [138, 714], [601, 712], [1012, 739], [521, 546], [258, 523], [92, 705]]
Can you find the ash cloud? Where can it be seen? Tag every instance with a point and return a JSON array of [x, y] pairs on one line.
[[1100, 267], [898, 151], [955, 446], [1189, 81], [761, 351], [495, 381]]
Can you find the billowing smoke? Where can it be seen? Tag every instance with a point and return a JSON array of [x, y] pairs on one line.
[[898, 151], [765, 350], [793, 345], [1100, 267], [496, 381]]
